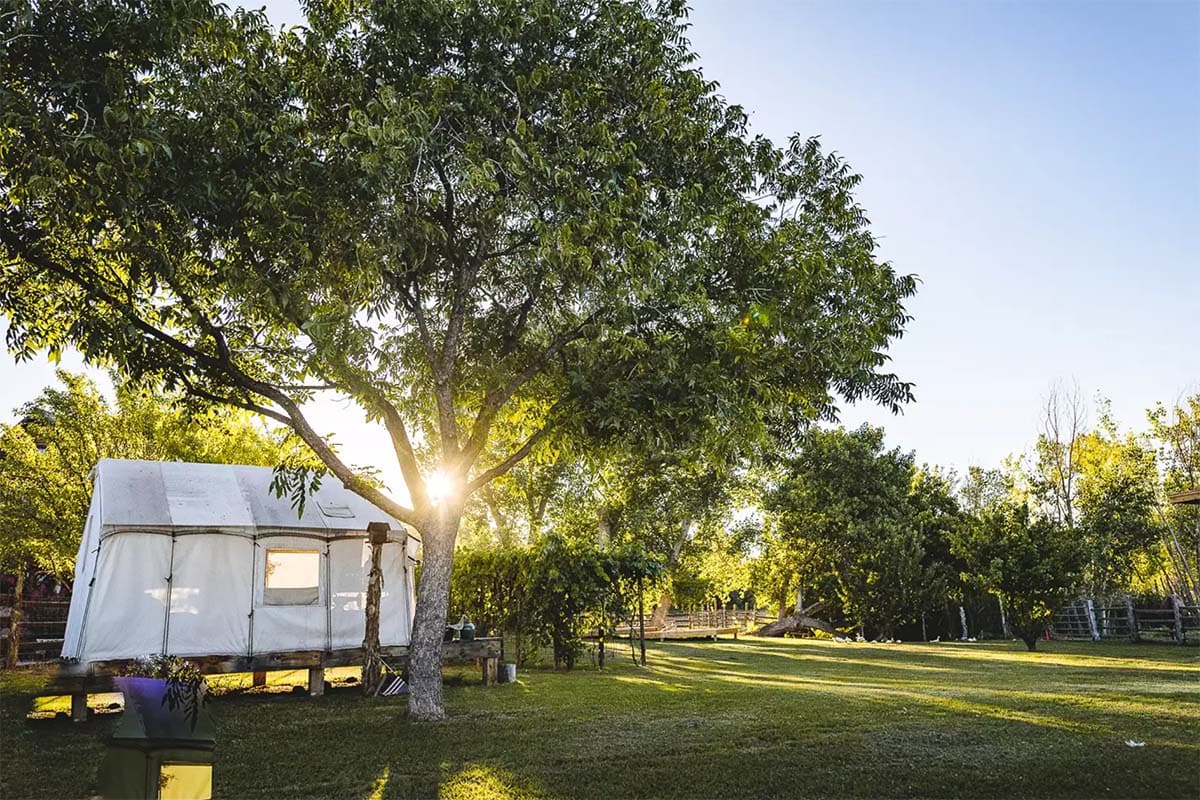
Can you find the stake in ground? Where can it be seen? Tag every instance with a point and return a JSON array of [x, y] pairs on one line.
[[729, 719]]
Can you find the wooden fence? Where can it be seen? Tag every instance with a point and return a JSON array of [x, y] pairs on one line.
[[1120, 619], [41, 628], [718, 618]]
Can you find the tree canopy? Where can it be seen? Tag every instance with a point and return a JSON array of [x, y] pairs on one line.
[[863, 526], [488, 224], [1032, 563]]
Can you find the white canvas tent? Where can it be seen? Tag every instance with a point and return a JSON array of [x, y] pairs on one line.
[[204, 559]]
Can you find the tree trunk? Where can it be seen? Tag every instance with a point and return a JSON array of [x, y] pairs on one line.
[[14, 622], [795, 622], [429, 627], [1027, 633], [659, 617], [370, 647]]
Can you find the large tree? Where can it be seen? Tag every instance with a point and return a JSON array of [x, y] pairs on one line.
[[1030, 562], [867, 526], [484, 223]]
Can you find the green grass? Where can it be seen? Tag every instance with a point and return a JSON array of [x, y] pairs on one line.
[[791, 718]]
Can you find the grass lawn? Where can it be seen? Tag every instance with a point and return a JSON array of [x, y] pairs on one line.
[[792, 718]]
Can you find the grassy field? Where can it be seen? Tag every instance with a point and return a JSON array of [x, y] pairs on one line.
[[794, 718]]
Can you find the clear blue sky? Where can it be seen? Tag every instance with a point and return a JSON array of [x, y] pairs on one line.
[[1036, 164]]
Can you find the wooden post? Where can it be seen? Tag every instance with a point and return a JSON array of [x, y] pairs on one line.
[[1091, 619], [1177, 607], [489, 671], [377, 535], [79, 707], [600, 642], [316, 681], [14, 622], [1131, 618]]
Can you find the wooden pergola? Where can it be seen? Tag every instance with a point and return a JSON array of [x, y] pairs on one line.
[[1191, 498]]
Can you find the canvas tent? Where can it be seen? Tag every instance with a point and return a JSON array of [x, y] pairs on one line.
[[204, 559]]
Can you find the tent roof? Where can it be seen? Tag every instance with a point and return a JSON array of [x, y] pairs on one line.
[[166, 494]]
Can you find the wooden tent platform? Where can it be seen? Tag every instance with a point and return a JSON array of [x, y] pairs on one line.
[[80, 680]]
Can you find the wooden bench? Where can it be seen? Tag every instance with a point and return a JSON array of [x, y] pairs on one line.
[[80, 680]]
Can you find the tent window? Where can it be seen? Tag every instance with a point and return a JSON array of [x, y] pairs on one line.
[[293, 578], [185, 782]]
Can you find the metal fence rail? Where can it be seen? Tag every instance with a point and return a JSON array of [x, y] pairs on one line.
[[1104, 619]]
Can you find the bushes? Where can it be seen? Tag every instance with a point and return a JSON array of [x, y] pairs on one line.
[[549, 593]]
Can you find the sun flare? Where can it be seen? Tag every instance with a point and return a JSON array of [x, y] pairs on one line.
[[441, 486]]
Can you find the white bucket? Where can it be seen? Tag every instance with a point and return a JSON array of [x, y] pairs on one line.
[[508, 673]]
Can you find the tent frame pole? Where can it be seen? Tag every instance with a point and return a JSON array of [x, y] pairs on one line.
[[328, 588], [167, 605], [253, 584]]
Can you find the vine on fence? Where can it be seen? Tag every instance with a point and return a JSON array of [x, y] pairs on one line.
[[550, 593]]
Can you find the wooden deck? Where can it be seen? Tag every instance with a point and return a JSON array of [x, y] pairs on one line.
[[693, 633], [80, 680]]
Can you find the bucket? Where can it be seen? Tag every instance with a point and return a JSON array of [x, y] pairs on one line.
[[508, 673]]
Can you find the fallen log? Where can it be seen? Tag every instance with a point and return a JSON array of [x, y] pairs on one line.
[[800, 619]]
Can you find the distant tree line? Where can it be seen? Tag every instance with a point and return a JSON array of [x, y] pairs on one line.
[[873, 539]]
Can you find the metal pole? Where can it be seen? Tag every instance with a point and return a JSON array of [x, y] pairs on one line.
[[167, 605], [642, 616]]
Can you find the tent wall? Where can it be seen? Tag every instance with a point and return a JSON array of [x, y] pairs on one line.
[[216, 586], [395, 609], [210, 595], [348, 582], [126, 614], [85, 567], [285, 627]]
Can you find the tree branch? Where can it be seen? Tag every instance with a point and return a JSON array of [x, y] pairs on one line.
[[294, 417], [494, 400], [398, 433], [487, 476]]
